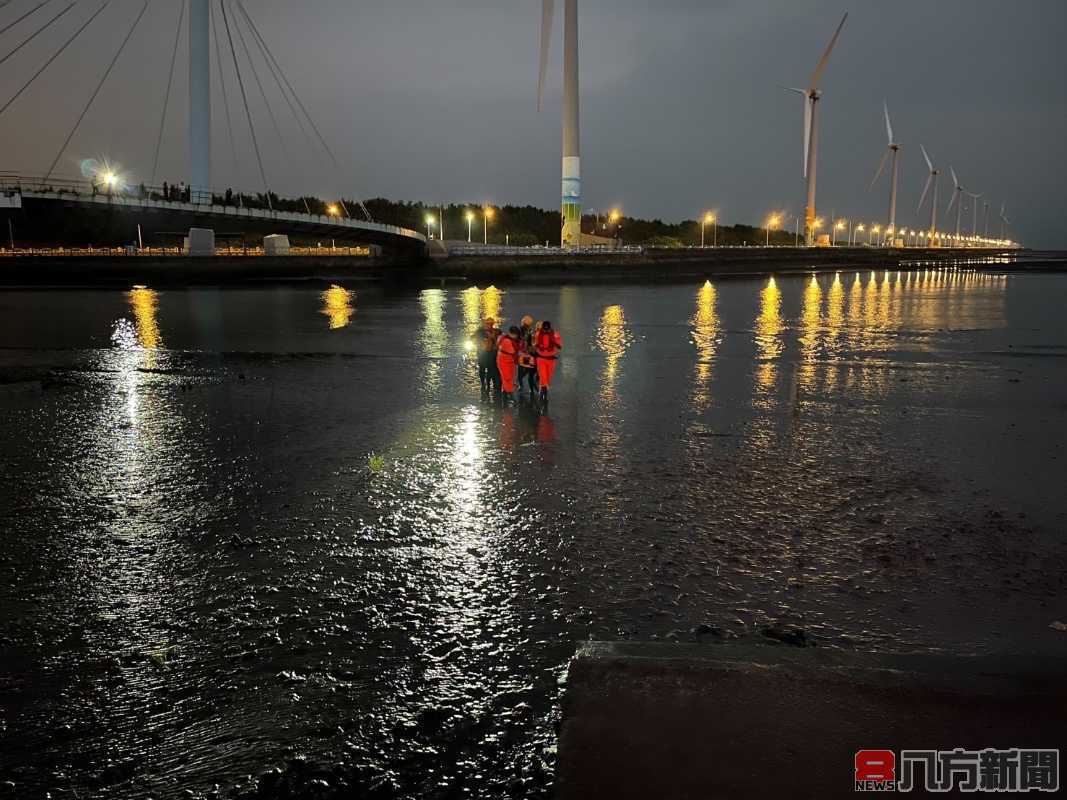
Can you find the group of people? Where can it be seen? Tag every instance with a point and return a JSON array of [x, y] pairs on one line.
[[526, 355]]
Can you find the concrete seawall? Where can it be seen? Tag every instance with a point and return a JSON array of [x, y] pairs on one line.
[[650, 266]]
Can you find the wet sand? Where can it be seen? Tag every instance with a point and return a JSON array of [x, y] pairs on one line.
[[277, 529]]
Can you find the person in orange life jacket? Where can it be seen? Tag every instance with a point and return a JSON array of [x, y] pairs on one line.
[[547, 345], [507, 360], [486, 340], [527, 359]]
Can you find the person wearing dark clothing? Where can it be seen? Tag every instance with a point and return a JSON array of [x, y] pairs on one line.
[[486, 339], [527, 362]]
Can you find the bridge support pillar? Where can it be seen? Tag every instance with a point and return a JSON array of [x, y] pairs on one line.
[[199, 96]]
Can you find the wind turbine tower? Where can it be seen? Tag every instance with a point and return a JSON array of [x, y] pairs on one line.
[[930, 179], [811, 97], [957, 199], [892, 149], [571, 168]]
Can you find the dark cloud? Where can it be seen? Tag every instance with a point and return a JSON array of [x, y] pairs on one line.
[[681, 108]]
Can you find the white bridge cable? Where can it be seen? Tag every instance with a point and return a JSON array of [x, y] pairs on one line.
[[99, 86], [40, 30], [296, 97], [166, 96], [262, 91], [11, 25], [244, 98], [222, 83], [54, 56]]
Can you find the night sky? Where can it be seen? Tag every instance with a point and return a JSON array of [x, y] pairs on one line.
[[681, 105]]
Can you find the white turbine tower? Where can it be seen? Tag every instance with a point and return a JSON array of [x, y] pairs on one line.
[[957, 199], [930, 179], [572, 180], [811, 97], [891, 150], [974, 208], [1003, 219], [985, 215]]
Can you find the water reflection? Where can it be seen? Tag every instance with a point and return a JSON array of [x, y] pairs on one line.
[[810, 331], [769, 343], [433, 339], [145, 305], [705, 334], [337, 306], [613, 338]]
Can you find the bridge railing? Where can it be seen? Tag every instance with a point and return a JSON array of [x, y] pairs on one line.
[[537, 250], [182, 198]]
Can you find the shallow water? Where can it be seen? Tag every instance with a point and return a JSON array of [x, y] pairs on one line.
[[246, 530]]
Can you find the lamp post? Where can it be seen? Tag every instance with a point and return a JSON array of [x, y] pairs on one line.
[[487, 214], [709, 219], [838, 226], [429, 226], [772, 222], [857, 230], [470, 221], [870, 236]]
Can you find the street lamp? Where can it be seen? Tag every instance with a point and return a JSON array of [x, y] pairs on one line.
[[858, 229], [487, 214], [873, 232], [332, 210], [429, 225], [838, 226], [709, 219], [470, 221], [772, 222]]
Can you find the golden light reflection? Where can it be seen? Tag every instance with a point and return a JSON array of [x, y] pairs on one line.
[[835, 323], [433, 338], [491, 300], [613, 338], [145, 305], [337, 306], [705, 322], [810, 330], [769, 334]]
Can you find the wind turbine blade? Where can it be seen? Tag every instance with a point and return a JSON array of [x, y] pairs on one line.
[[926, 188], [952, 202], [881, 166], [807, 131], [548, 8], [888, 126], [928, 162], [792, 89], [826, 56], [955, 180]]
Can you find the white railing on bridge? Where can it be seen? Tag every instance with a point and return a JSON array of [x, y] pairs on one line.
[[196, 202], [537, 250]]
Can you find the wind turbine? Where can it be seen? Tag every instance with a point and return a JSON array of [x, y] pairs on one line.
[[892, 149], [985, 213], [930, 179], [974, 205], [957, 193], [572, 181], [1003, 219], [811, 97]]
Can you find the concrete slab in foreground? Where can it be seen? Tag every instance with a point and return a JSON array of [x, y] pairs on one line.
[[666, 721]]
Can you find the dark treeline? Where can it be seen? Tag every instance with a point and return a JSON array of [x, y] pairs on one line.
[[528, 225]]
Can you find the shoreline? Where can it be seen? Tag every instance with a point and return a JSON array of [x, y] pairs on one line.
[[650, 266]]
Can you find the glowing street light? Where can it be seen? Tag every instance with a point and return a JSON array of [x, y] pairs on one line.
[[709, 219], [838, 226], [430, 220], [470, 221], [772, 222], [857, 230], [332, 210], [487, 214], [873, 232]]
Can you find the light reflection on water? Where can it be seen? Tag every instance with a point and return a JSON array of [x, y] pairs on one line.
[[337, 306], [705, 334], [613, 338]]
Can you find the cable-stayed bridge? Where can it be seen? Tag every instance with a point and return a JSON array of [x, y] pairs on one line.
[[226, 53]]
